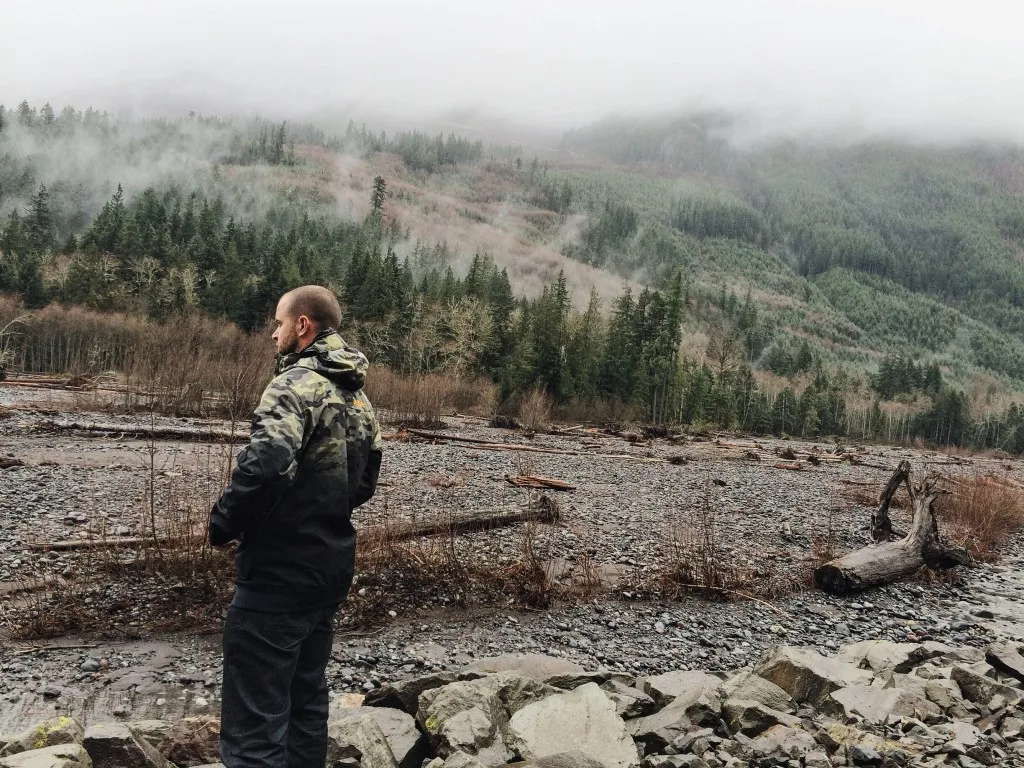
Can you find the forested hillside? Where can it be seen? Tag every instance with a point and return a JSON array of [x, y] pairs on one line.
[[662, 269]]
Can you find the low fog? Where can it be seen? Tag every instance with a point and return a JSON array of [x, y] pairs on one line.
[[904, 68]]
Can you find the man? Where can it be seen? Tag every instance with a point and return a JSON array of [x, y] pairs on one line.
[[313, 456]]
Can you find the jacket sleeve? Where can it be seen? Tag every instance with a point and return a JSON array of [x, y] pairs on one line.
[[265, 467], [371, 472]]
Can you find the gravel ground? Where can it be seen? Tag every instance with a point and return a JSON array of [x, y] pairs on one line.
[[623, 513]]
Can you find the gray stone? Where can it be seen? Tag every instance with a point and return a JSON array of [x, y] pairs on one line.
[[698, 707], [468, 717], [817, 760], [462, 760], [354, 737], [862, 754], [57, 756], [113, 745], [879, 655], [750, 687], [783, 741], [630, 702], [535, 665], [49, 733], [582, 720], [408, 744], [153, 731], [671, 685], [984, 690], [1006, 659], [192, 741], [574, 759], [751, 718], [405, 694], [807, 676], [878, 705]]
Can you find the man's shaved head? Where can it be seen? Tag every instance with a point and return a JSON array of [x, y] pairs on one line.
[[315, 302]]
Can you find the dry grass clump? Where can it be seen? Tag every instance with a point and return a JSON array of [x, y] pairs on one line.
[[981, 513], [696, 563], [422, 399]]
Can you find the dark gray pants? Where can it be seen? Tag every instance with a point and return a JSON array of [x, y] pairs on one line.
[[274, 705]]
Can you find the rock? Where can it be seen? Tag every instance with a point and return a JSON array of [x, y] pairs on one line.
[[984, 690], [113, 745], [153, 731], [879, 655], [57, 756], [817, 760], [192, 741], [878, 705], [466, 717], [630, 702], [404, 694], [669, 686], [807, 676], [782, 740], [517, 690], [583, 720], [408, 744], [355, 738], [462, 760], [563, 760], [750, 687], [1006, 659], [697, 707], [751, 718], [49, 733], [534, 665], [862, 754]]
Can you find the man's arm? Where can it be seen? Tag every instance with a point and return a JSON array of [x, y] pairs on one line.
[[266, 466], [371, 472]]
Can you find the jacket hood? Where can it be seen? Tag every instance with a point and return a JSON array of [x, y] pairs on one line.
[[329, 356]]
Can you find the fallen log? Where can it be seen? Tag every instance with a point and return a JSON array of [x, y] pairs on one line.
[[885, 560], [539, 481], [546, 511], [484, 445], [794, 465], [138, 431]]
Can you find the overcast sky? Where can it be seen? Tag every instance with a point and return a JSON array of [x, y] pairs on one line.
[[926, 67]]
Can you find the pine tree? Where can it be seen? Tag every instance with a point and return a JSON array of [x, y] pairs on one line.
[[380, 191]]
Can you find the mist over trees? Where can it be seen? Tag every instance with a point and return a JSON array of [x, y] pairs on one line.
[[855, 276]]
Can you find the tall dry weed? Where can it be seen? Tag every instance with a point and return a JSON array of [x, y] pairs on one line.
[[981, 513]]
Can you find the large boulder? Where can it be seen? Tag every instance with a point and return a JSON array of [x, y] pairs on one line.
[[782, 741], [49, 733], [405, 694], [193, 741], [878, 705], [807, 676], [747, 686], [1007, 659], [153, 731], [114, 745], [58, 756], [581, 720], [630, 702], [984, 690], [880, 655], [672, 685], [407, 742], [466, 716], [535, 665], [698, 707], [354, 738], [751, 718], [563, 760]]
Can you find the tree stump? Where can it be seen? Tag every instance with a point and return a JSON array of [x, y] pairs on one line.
[[887, 560]]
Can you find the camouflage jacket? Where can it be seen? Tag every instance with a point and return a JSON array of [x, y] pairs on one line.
[[313, 456]]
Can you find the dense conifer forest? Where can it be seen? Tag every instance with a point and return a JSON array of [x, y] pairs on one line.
[[862, 291]]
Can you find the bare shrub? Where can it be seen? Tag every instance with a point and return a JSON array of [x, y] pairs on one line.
[[422, 399], [981, 514], [535, 410]]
